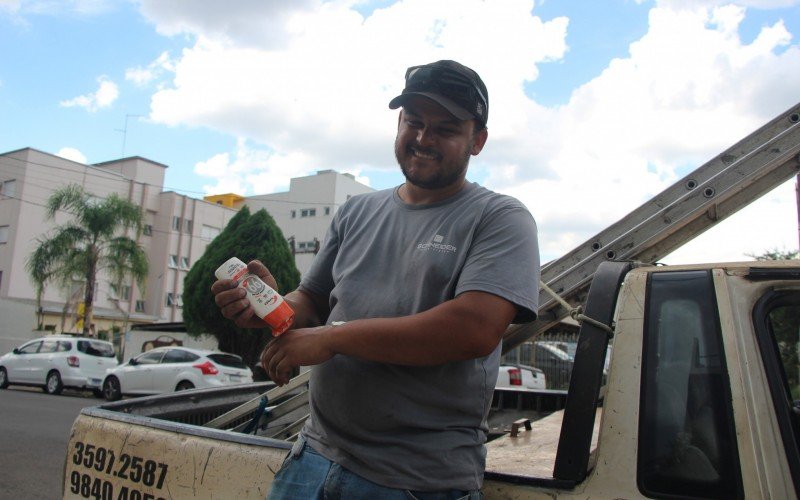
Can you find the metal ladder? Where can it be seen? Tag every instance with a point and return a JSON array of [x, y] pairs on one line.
[[742, 173], [298, 385]]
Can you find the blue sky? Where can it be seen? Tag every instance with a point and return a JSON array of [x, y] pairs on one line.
[[603, 102]]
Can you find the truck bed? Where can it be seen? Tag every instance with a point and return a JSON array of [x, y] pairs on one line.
[[531, 453]]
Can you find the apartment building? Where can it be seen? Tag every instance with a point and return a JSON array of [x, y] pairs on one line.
[[305, 211], [177, 230]]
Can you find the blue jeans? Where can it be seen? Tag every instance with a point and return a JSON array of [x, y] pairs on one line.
[[307, 475]]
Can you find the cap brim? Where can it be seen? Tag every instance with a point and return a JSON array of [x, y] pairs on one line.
[[451, 107]]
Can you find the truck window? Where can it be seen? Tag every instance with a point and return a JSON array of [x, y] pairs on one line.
[[687, 444], [777, 323]]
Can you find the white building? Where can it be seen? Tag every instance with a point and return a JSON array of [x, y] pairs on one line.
[[177, 230], [305, 211]]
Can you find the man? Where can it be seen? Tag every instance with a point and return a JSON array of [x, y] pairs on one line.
[[426, 278]]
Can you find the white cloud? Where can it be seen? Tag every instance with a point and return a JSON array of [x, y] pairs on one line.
[[250, 170], [315, 96], [105, 95], [244, 22], [10, 6], [72, 154], [57, 8], [155, 70], [677, 101], [324, 94]]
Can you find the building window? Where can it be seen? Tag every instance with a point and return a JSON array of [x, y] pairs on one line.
[[294, 214], [170, 299], [308, 212], [187, 226], [209, 232], [8, 188], [179, 301], [173, 261], [327, 210], [139, 306], [176, 223], [147, 230], [3, 234], [121, 292], [184, 262]]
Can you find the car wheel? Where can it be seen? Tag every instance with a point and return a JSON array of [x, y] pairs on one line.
[[3, 378], [184, 385], [53, 385], [111, 389]]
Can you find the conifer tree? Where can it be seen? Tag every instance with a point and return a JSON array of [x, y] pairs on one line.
[[247, 237]]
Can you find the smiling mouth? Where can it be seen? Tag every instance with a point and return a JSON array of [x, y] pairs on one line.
[[423, 154]]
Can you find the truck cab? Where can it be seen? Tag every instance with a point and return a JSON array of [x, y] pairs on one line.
[[700, 400]]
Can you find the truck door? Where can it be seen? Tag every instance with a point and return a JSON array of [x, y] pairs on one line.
[[776, 319]]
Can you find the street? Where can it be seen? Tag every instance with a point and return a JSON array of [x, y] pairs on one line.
[[33, 441]]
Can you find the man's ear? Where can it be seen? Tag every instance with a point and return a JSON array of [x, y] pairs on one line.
[[480, 140]]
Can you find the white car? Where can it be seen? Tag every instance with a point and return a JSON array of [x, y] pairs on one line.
[[520, 377], [167, 369], [59, 361]]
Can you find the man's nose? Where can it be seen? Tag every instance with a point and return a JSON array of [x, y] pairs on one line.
[[425, 136]]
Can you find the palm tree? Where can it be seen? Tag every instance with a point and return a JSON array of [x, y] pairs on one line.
[[88, 244]]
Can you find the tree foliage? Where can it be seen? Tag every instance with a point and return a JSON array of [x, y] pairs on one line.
[[247, 237], [776, 254], [90, 243]]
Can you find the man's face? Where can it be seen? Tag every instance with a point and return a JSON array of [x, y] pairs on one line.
[[433, 147]]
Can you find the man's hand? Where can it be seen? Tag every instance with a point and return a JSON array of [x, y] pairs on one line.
[[301, 347], [233, 302]]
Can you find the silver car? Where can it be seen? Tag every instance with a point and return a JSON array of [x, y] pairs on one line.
[[59, 361]]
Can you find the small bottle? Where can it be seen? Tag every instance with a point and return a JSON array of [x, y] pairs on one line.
[[268, 304]]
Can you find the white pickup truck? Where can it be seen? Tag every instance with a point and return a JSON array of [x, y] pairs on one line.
[[699, 403], [520, 377]]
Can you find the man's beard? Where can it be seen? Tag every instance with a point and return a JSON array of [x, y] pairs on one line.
[[446, 175]]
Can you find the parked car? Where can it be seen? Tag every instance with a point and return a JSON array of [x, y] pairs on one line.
[[555, 361], [59, 361], [167, 369], [520, 377]]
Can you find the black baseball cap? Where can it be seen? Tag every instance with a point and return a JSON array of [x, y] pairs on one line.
[[455, 87]]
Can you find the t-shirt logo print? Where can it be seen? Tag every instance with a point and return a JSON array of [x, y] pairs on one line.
[[437, 245]]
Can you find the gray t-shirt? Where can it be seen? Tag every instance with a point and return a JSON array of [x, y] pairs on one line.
[[418, 428]]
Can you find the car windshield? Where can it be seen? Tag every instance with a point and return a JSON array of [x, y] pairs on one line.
[[556, 351], [229, 360], [96, 348]]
